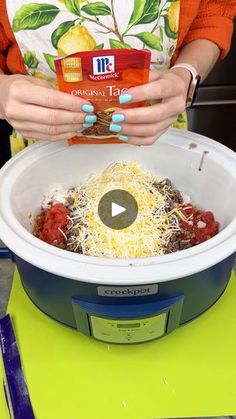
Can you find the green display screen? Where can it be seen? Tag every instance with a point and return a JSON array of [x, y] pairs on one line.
[[128, 325]]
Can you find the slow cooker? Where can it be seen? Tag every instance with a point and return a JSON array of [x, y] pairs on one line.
[[122, 300]]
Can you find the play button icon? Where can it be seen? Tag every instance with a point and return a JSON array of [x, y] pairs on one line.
[[118, 209]]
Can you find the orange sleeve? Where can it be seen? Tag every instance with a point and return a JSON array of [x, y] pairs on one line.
[[11, 60], [4, 45], [214, 21]]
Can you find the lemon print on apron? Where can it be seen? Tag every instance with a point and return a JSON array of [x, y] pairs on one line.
[[77, 38], [47, 29], [172, 20]]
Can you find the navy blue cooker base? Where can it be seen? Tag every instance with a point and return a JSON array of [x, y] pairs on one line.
[[53, 294]]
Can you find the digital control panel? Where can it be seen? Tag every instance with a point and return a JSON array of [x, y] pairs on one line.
[[128, 331]]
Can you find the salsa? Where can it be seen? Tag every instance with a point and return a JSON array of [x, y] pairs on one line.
[[51, 223], [200, 227]]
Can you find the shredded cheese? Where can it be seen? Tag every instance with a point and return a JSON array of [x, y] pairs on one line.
[[149, 233]]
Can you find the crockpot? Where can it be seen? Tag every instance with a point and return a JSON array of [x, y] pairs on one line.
[[122, 300]]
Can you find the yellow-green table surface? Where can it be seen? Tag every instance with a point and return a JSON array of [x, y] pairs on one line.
[[191, 372]]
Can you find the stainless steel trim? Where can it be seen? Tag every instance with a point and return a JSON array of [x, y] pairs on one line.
[[215, 96], [214, 102]]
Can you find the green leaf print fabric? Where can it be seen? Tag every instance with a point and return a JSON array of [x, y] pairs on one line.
[[96, 9], [73, 6], [30, 59], [143, 12], [33, 16]]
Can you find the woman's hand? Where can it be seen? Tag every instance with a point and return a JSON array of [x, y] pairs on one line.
[[144, 125], [38, 111]]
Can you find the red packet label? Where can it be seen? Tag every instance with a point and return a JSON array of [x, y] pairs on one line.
[[100, 77]]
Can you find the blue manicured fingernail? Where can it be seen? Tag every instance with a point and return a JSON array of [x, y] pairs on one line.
[[118, 117], [123, 137], [115, 128], [125, 98], [88, 108], [86, 125], [90, 118]]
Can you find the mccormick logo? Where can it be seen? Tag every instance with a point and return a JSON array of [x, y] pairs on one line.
[[104, 68], [103, 65]]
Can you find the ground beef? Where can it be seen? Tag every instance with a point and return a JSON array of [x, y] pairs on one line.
[[174, 196]]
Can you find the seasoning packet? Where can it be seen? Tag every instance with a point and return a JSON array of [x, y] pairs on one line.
[[100, 77]]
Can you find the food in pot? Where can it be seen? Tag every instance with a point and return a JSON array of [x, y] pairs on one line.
[[166, 222]]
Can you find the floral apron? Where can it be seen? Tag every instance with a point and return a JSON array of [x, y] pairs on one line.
[[45, 30]]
